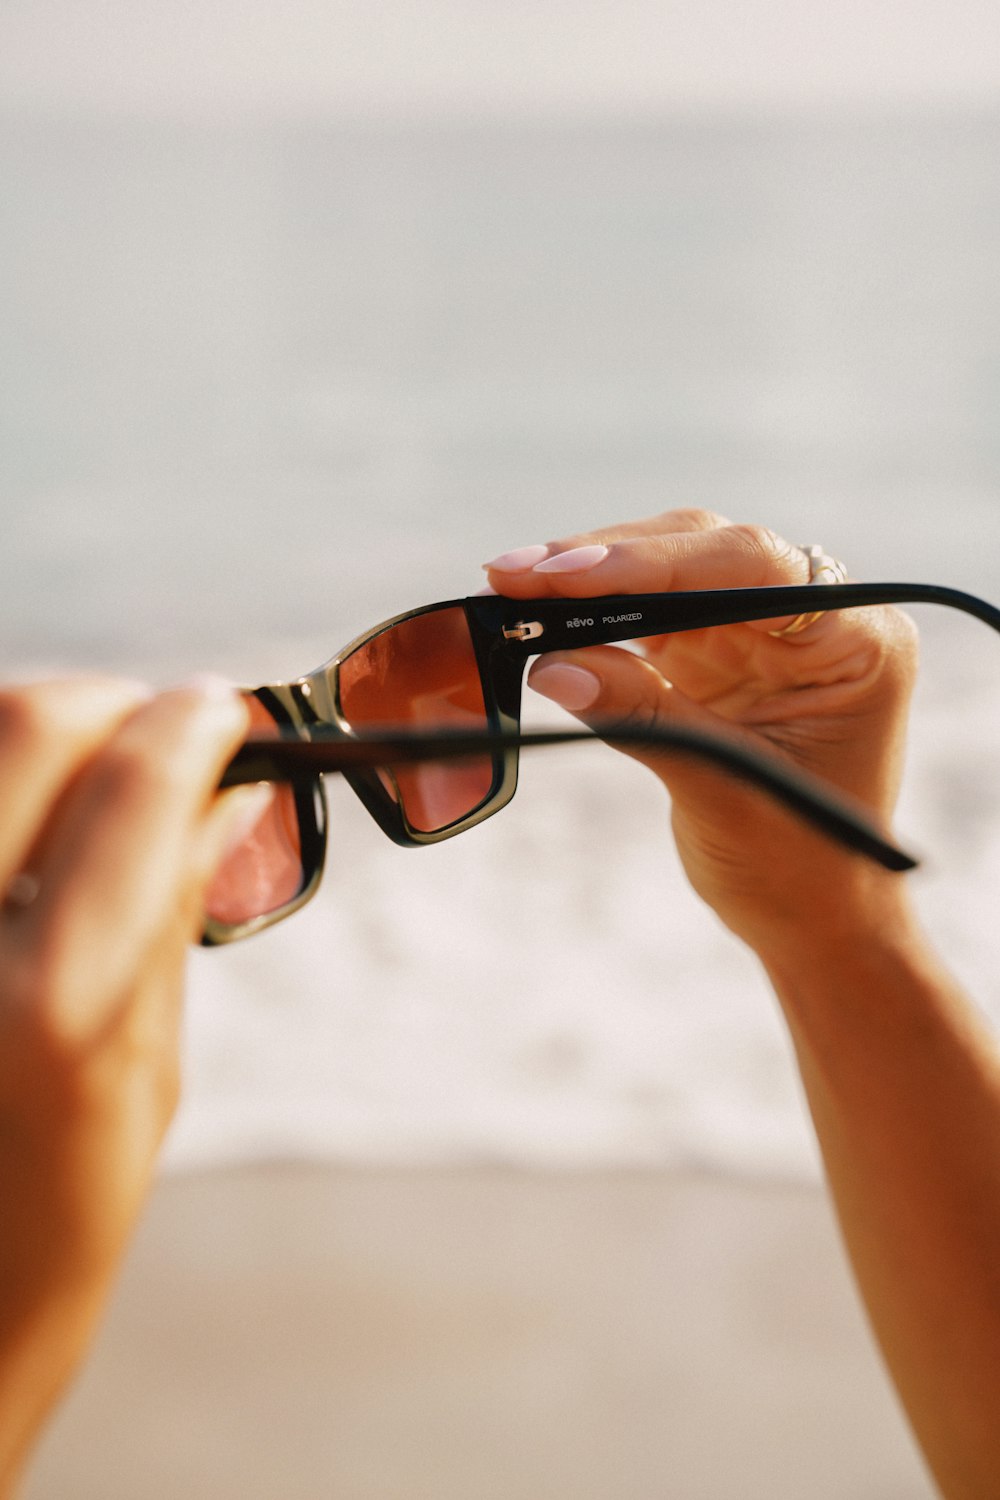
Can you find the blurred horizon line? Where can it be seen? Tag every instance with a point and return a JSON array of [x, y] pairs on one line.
[[750, 112]]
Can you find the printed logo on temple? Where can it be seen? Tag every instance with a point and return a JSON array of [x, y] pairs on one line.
[[619, 619], [577, 624]]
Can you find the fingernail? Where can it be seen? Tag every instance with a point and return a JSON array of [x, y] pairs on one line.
[[141, 691], [220, 698], [521, 560], [481, 593], [571, 687], [208, 685], [577, 560], [246, 806]]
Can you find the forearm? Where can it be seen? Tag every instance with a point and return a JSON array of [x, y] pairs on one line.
[[40, 1352], [903, 1081]]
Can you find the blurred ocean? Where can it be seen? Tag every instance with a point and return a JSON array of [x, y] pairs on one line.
[[262, 386]]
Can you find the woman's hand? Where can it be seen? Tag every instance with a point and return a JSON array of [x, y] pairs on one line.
[[109, 832], [832, 699], [901, 1072]]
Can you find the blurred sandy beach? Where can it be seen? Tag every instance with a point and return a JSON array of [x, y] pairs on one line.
[[301, 1331]]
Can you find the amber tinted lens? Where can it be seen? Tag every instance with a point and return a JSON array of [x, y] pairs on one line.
[[423, 674], [264, 873]]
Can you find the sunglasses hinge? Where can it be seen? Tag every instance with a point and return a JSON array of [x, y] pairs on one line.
[[524, 630]]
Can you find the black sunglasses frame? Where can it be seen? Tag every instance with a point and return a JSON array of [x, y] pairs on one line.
[[841, 817], [505, 633]]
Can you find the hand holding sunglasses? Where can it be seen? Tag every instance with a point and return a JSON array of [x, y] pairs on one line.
[[825, 683], [274, 860], [421, 715]]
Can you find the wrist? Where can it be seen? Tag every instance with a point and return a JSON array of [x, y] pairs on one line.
[[867, 1000], [42, 1344], [872, 921]]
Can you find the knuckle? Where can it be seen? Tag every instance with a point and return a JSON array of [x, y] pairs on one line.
[[146, 1046], [904, 633], [642, 713], [884, 654], [765, 548], [693, 518], [29, 718], [759, 541], [39, 717], [667, 551], [40, 986], [900, 645], [639, 718], [129, 772]]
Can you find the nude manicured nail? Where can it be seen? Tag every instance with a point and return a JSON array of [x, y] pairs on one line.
[[571, 687], [210, 686], [221, 703], [521, 560], [577, 560]]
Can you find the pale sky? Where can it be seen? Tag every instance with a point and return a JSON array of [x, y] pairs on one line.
[[324, 57]]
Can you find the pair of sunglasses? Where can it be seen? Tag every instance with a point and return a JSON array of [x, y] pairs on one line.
[[421, 715]]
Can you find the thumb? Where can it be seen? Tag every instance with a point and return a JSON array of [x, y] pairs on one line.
[[606, 685], [743, 850]]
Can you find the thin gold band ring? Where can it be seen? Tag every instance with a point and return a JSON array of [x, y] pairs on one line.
[[822, 569]]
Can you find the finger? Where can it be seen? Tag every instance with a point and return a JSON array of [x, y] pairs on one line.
[[688, 519], [508, 570], [604, 684], [47, 730], [116, 857], [147, 1030], [724, 557], [150, 1024], [229, 822]]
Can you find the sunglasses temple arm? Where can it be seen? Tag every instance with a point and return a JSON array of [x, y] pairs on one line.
[[539, 625], [847, 823]]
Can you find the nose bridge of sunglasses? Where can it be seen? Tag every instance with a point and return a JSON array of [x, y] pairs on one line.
[[314, 699], [288, 708]]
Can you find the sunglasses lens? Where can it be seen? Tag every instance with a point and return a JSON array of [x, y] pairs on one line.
[[264, 872], [423, 674]]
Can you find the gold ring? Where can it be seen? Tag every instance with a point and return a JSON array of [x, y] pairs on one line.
[[822, 569]]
